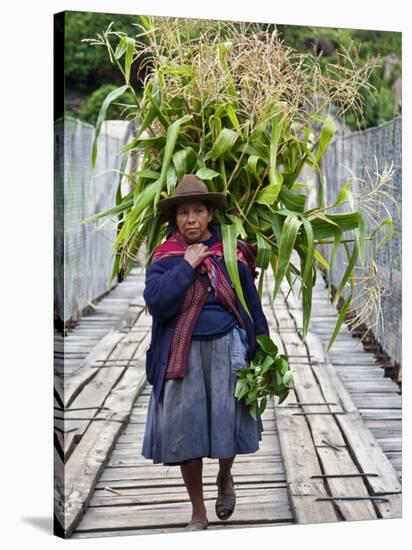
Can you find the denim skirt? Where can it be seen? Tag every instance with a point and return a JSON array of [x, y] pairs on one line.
[[198, 415]]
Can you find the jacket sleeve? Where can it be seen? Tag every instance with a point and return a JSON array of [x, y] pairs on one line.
[[166, 287], [253, 301]]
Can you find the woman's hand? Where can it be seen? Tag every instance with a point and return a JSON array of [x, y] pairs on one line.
[[196, 253]]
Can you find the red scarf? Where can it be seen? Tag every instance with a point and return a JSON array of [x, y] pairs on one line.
[[196, 295]]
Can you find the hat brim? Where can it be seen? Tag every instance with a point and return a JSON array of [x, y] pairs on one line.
[[216, 199]]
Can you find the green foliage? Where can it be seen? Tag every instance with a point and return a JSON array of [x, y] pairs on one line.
[[91, 108], [247, 135], [268, 375]]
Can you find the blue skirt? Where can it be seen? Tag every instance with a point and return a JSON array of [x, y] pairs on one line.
[[198, 415]]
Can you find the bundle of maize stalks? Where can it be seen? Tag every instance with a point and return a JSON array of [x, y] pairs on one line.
[[235, 106]]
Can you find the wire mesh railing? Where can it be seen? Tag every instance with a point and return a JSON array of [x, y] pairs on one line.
[[83, 254], [367, 154]]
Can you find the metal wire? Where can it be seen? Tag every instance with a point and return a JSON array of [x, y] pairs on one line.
[[358, 151], [83, 257]]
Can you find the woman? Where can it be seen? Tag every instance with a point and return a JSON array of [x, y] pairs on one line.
[[201, 336]]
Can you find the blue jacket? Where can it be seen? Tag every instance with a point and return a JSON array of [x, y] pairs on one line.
[[167, 281]]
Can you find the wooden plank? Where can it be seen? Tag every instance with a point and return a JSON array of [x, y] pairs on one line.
[[175, 478], [147, 497], [95, 393], [130, 456], [350, 510], [368, 453], [340, 462], [301, 462], [361, 396], [149, 471], [222, 526], [146, 486], [167, 492], [308, 391], [304, 497], [298, 451], [268, 507], [88, 459], [69, 386], [391, 509]]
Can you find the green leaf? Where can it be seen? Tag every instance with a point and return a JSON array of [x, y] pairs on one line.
[[275, 177], [283, 396], [307, 255], [238, 388], [288, 379], [231, 113], [146, 174], [130, 46], [121, 48], [123, 164], [262, 406], [347, 274], [229, 238], [115, 210], [252, 166], [293, 202], [343, 194], [145, 22], [282, 363], [143, 199], [252, 411], [224, 142], [264, 252], [161, 116], [321, 259], [171, 138], [206, 173], [102, 114], [267, 345], [267, 195], [267, 364], [324, 226], [277, 227], [287, 241], [237, 222], [307, 273], [184, 70], [184, 161], [171, 179], [244, 389], [300, 186], [115, 267], [307, 286], [326, 134], [341, 318], [150, 115]]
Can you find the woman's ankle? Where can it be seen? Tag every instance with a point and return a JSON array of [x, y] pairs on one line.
[[199, 512]]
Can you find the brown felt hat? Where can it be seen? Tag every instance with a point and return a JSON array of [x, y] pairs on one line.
[[191, 188]]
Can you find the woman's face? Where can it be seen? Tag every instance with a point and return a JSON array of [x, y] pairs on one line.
[[192, 221]]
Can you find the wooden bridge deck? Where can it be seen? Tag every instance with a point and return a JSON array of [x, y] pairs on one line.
[[330, 452], [71, 351]]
